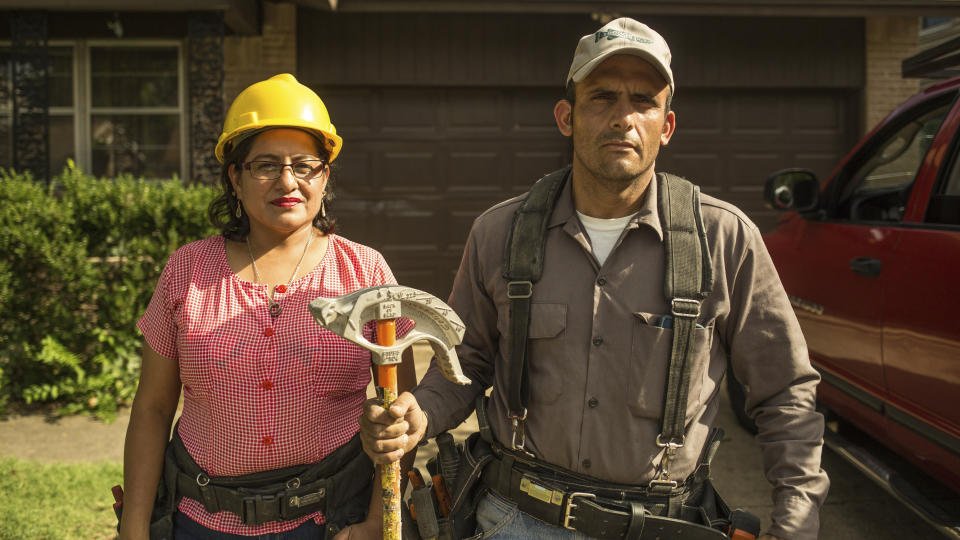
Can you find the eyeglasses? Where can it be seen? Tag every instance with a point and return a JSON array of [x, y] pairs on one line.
[[271, 170]]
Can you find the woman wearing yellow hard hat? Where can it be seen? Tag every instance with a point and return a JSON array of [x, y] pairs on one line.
[[266, 443]]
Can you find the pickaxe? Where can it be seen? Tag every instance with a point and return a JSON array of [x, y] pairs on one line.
[[435, 323]]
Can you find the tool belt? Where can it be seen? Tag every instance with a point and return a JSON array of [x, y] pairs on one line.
[[338, 485], [608, 510]]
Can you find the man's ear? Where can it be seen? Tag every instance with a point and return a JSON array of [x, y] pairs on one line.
[[563, 114], [669, 126]]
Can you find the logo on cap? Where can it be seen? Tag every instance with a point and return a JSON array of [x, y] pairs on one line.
[[613, 34]]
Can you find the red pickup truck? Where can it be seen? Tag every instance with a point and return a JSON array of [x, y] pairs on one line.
[[871, 261]]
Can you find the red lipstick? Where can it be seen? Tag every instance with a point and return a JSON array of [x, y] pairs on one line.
[[286, 202]]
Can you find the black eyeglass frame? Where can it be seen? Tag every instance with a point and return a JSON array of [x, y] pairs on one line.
[[248, 166]]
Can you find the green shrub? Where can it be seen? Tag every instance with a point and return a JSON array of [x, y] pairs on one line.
[[79, 259]]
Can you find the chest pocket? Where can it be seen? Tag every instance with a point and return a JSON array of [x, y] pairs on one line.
[[652, 341], [547, 346]]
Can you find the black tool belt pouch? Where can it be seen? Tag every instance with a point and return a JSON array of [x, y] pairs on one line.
[[467, 491], [339, 485]]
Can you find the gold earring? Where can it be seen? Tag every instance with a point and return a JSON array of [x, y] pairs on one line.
[[323, 208], [239, 212]]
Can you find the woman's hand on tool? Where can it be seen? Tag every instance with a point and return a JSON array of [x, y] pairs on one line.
[[389, 434]]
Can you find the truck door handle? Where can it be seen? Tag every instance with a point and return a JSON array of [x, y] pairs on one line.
[[866, 266]]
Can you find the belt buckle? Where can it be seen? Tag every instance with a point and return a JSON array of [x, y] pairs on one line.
[[570, 506]]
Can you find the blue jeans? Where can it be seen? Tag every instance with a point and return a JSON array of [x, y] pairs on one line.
[[501, 519], [185, 528]]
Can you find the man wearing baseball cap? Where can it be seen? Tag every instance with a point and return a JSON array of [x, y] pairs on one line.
[[603, 308]]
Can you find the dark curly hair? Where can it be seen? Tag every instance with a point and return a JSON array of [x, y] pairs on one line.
[[223, 209]]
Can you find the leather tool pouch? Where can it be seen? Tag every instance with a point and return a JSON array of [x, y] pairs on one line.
[[467, 491]]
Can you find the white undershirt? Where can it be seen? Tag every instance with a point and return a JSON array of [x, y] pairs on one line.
[[603, 233]]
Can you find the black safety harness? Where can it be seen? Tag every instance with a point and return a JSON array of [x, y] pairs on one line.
[[666, 507]]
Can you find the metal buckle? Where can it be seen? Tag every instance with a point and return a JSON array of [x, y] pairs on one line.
[[670, 451], [517, 421], [527, 294], [685, 307], [202, 479], [672, 444], [570, 506], [259, 509]]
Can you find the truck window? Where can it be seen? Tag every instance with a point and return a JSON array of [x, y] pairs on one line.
[[944, 205], [878, 185]]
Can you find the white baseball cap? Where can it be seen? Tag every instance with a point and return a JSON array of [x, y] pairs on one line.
[[621, 36]]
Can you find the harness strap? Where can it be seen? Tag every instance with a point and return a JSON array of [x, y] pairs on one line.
[[688, 279], [523, 266]]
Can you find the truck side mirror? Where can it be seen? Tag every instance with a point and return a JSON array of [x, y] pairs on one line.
[[792, 189]]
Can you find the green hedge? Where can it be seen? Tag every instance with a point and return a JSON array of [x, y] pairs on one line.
[[79, 258]]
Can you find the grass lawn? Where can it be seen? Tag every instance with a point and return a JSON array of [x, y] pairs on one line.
[[57, 501]]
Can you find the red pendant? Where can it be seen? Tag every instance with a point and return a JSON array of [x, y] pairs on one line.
[[281, 289]]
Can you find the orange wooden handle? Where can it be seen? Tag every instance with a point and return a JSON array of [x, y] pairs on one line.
[[389, 474]]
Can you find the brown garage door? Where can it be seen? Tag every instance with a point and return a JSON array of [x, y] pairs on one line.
[[729, 140], [420, 164], [444, 115]]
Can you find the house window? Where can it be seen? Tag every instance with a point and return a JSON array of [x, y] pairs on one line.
[[62, 134], [135, 111], [933, 22], [115, 108]]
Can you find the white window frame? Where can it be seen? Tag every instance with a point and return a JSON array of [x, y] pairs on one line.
[[83, 110]]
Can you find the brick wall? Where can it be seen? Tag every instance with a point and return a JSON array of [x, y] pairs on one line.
[[889, 41], [248, 59]]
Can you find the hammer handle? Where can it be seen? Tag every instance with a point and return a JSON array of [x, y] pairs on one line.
[[389, 474]]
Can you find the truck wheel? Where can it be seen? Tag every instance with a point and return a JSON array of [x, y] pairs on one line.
[[738, 400]]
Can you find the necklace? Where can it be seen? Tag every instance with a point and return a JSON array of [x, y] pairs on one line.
[[281, 288]]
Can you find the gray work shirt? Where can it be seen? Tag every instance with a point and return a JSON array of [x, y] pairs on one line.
[[598, 359]]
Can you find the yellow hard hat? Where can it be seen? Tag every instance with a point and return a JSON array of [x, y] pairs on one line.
[[280, 101]]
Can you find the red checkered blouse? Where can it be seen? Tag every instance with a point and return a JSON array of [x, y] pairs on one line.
[[259, 392]]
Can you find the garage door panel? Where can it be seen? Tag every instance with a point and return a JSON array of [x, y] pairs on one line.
[[413, 110], [529, 166], [818, 115], [756, 115], [353, 171], [705, 169], [699, 114], [745, 169], [409, 171], [531, 111], [472, 171]]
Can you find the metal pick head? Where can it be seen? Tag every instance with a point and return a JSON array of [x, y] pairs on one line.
[[435, 323]]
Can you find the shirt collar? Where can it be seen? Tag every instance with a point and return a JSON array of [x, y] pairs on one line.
[[647, 216]]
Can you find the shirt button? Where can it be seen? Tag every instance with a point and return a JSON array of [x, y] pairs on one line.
[[268, 332], [586, 464], [593, 402], [602, 281], [281, 289], [268, 440], [266, 385], [597, 341]]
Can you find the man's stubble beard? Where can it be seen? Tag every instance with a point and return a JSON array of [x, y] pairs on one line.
[[609, 172]]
